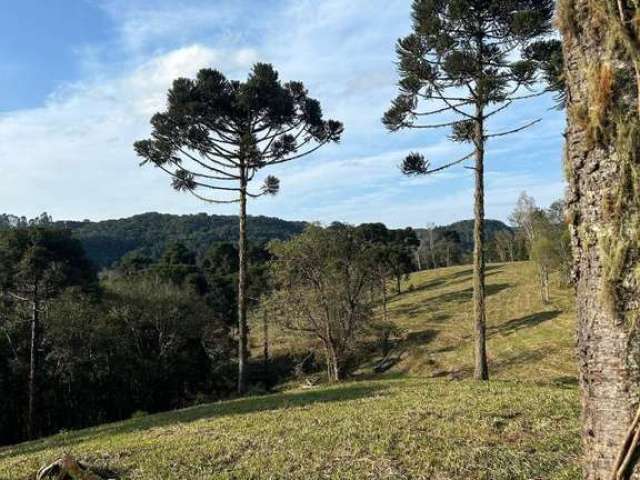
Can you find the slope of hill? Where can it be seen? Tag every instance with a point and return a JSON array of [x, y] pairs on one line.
[[107, 241], [464, 228], [424, 418], [526, 339]]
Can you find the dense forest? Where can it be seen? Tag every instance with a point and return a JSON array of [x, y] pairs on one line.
[[150, 233]]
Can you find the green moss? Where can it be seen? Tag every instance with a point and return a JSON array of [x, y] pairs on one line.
[[612, 126]]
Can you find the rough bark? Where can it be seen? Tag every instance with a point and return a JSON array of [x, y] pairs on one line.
[[607, 343], [481, 371], [242, 288]]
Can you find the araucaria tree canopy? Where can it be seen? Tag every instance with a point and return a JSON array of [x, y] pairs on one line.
[[216, 134], [469, 60]]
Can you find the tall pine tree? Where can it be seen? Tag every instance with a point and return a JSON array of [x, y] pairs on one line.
[[459, 61], [215, 136]]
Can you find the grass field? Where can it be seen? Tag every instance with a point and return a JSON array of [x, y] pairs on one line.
[[526, 339], [422, 419]]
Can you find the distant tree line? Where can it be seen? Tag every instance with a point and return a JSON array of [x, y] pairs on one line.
[[105, 242], [445, 246]]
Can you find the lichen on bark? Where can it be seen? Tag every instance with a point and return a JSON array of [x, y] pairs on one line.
[[600, 39], [609, 122]]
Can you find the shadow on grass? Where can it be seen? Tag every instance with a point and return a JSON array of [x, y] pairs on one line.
[[496, 366], [527, 321], [469, 272], [425, 286], [457, 297], [565, 381], [229, 408], [466, 295], [470, 277]]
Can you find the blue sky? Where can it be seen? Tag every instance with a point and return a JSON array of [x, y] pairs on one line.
[[80, 79]]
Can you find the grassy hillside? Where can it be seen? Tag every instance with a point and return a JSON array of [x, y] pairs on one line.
[[526, 339], [422, 419]]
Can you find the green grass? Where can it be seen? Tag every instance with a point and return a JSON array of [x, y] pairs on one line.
[[526, 339], [416, 421]]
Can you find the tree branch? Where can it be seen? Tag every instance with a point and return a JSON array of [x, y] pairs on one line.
[[516, 130]]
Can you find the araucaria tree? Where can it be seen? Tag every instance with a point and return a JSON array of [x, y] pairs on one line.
[[216, 134], [460, 62], [602, 53]]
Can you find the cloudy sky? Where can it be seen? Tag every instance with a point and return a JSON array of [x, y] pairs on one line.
[[79, 80]]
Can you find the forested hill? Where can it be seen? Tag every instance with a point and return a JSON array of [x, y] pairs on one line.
[[149, 233], [107, 241], [464, 229]]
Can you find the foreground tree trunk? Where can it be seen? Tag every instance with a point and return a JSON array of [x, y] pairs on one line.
[[603, 211], [481, 371], [242, 287]]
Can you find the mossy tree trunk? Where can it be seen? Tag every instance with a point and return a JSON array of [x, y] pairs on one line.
[[603, 211]]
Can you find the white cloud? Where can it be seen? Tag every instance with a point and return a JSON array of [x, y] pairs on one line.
[[144, 24], [73, 156]]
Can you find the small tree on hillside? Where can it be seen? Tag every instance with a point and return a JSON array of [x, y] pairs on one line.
[[523, 218], [459, 58], [505, 246], [322, 279], [215, 136]]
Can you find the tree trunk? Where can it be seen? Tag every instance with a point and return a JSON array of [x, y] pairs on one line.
[[265, 350], [545, 286], [34, 365], [608, 344], [398, 286], [333, 365], [383, 285], [481, 371], [434, 261], [242, 287]]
